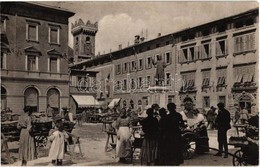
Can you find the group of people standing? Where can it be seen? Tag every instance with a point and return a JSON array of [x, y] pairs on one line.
[[162, 144]]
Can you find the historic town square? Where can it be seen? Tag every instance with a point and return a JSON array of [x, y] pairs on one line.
[[129, 83]]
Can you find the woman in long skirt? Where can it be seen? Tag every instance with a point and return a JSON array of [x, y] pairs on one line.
[[27, 149], [150, 128], [123, 145]]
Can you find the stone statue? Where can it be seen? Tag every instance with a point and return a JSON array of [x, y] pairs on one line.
[[159, 75]]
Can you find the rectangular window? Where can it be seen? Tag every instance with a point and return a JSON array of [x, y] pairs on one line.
[[222, 99], [244, 43], [185, 54], [148, 62], [221, 75], [244, 76], [206, 79], [54, 35], [140, 82], [206, 102], [140, 64], [206, 51], [124, 84], [148, 80], [191, 54], [32, 31], [53, 65], [133, 66], [221, 48], [168, 79], [168, 59], [170, 99], [3, 60], [31, 63], [118, 69], [118, 85], [125, 68]]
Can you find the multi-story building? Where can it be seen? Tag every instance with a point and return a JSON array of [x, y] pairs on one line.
[[34, 65], [210, 63]]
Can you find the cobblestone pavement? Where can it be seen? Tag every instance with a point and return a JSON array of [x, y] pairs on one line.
[[93, 148]]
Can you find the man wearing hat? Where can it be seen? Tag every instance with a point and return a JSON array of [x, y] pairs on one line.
[[67, 115], [223, 125]]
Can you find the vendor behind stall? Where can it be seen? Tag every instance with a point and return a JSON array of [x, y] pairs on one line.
[[67, 114]]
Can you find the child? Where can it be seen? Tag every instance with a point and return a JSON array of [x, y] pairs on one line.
[[57, 139]]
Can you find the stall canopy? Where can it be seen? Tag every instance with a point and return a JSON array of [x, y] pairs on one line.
[[114, 102], [85, 101]]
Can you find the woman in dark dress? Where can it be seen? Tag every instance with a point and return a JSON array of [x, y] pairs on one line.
[[173, 140], [150, 127], [161, 139]]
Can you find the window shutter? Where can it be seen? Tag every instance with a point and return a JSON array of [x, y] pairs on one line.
[[226, 47], [252, 41], [217, 48]]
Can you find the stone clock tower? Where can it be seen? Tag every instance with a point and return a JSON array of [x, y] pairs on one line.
[[83, 40]]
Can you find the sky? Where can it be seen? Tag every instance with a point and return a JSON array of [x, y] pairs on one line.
[[120, 21]]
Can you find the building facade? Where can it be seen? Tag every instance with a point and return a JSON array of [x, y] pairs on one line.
[[34, 65], [210, 63]]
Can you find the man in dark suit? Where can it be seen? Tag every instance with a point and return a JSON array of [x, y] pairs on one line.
[[223, 125]]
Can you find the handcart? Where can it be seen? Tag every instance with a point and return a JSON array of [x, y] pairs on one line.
[[41, 132], [197, 137], [248, 154]]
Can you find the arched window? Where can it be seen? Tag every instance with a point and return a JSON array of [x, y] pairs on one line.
[[31, 98], [139, 102], [132, 104], [87, 39], [53, 99], [3, 98]]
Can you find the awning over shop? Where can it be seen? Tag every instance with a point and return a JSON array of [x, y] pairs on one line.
[[85, 101], [114, 102]]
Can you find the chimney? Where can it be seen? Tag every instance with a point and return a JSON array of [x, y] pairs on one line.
[[137, 39], [110, 50], [159, 34], [98, 53], [120, 47]]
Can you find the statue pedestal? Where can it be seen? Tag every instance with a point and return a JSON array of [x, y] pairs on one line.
[[159, 95]]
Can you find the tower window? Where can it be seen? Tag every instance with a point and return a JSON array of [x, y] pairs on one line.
[[77, 40], [87, 39]]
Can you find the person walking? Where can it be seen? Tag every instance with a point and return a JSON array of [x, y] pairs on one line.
[[123, 146], [173, 140], [27, 148], [57, 139], [223, 125], [243, 115], [150, 128]]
